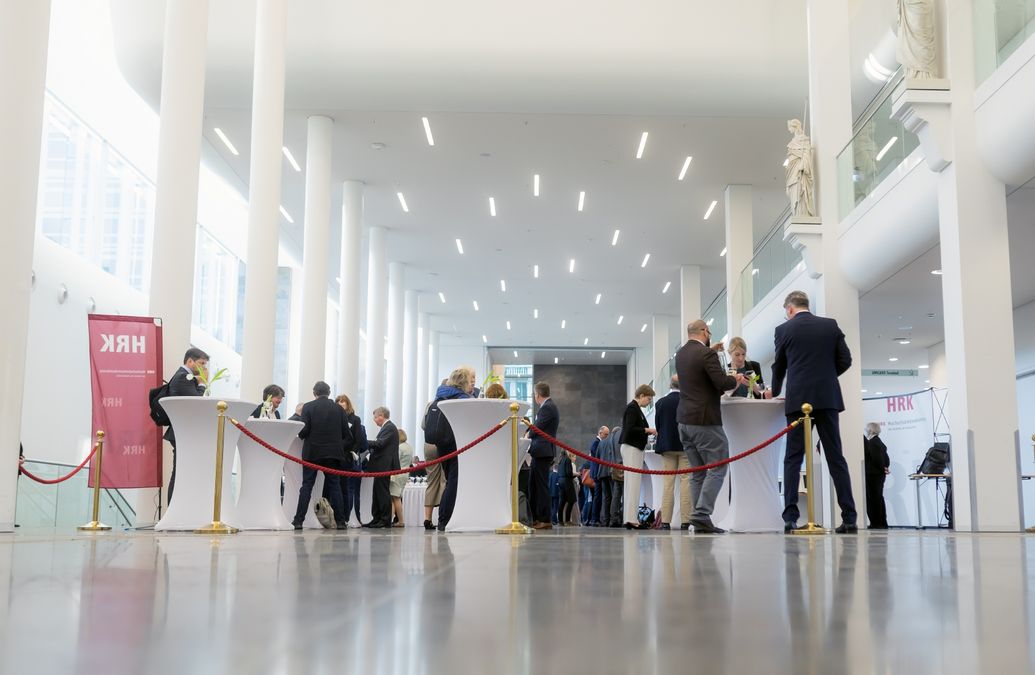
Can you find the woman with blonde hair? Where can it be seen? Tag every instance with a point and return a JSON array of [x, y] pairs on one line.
[[739, 363], [459, 385]]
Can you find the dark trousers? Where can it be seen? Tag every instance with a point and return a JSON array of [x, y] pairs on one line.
[[381, 505], [598, 498], [333, 484], [602, 513], [567, 504], [350, 488], [172, 477], [825, 422], [586, 505], [555, 508], [539, 489], [451, 472], [617, 490], [875, 508]]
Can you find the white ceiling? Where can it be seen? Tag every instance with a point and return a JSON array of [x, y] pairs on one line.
[[564, 356]]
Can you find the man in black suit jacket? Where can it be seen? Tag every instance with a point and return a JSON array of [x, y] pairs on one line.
[[702, 382], [673, 457], [325, 435], [384, 456], [542, 451], [812, 351], [185, 382]]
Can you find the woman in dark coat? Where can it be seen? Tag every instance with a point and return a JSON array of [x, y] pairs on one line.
[[633, 441]]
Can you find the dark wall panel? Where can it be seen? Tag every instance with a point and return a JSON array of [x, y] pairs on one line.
[[586, 397]]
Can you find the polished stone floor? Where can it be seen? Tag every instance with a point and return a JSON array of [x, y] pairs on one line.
[[568, 601]]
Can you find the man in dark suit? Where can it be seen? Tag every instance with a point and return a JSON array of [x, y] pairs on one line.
[[811, 352], [325, 435], [384, 456], [542, 451], [673, 457], [702, 381], [185, 382]]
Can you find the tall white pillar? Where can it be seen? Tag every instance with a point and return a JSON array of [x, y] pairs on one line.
[[24, 29], [264, 197], [377, 318], [348, 322], [662, 352], [830, 113], [314, 250], [433, 358], [631, 376], [176, 196], [689, 297], [409, 385], [739, 249], [396, 326], [421, 391]]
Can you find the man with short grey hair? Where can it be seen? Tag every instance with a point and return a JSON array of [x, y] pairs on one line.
[[384, 456], [702, 382]]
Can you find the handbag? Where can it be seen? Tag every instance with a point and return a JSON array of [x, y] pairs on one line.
[[587, 480]]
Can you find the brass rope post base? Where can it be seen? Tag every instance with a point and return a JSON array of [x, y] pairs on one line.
[[515, 526], [811, 527], [217, 526], [96, 525]]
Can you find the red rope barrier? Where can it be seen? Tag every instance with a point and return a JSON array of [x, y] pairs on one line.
[[369, 474], [62, 479], [658, 472]]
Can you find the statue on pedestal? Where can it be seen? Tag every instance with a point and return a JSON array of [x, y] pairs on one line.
[[917, 48], [800, 179]]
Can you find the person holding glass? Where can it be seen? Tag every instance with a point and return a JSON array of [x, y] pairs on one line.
[[750, 369]]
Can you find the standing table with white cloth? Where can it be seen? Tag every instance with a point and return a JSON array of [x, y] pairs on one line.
[[413, 503], [194, 421], [483, 488], [756, 505], [258, 505]]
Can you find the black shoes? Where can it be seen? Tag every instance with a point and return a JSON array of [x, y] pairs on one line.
[[297, 526], [845, 528], [666, 526], [705, 527], [685, 526], [375, 525], [788, 526], [428, 525]]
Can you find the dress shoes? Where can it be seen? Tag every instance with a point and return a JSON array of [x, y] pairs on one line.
[[685, 526], [297, 526], [666, 526], [428, 525], [374, 525], [542, 526], [705, 527], [789, 527], [845, 528]]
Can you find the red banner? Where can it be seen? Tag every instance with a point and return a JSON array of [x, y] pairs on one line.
[[125, 364]]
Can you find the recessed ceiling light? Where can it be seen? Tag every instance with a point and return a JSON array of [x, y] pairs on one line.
[[287, 216], [535, 313], [936, 273], [711, 207], [614, 238], [585, 342], [686, 165], [564, 322], [515, 353], [923, 367], [535, 271], [645, 259], [503, 285], [754, 271], [668, 284], [485, 339], [555, 359], [535, 185], [722, 253], [864, 391], [893, 359], [643, 144], [621, 317], [226, 141], [427, 130], [492, 206], [291, 159], [442, 297], [879, 393], [582, 199], [643, 328], [508, 325], [603, 354], [597, 301], [710, 321], [927, 382], [402, 202], [475, 303], [902, 341], [884, 150], [571, 266], [460, 246]]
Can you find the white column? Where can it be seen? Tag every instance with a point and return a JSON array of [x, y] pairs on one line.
[[377, 313], [421, 391], [314, 252], [662, 351], [831, 127], [348, 323], [689, 297], [739, 249], [977, 295], [24, 29], [396, 326], [409, 385], [433, 357], [630, 374], [176, 196], [264, 197]]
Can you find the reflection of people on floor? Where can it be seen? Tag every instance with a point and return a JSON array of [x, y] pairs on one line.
[[877, 465]]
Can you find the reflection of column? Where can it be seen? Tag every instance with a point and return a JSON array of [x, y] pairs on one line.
[[396, 321], [421, 392], [739, 242], [409, 386], [661, 354], [831, 114], [264, 196], [348, 320], [314, 254], [377, 310], [689, 297], [24, 28]]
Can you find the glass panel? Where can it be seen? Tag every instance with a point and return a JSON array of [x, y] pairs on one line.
[[68, 504], [773, 260], [715, 315], [1000, 27], [218, 288]]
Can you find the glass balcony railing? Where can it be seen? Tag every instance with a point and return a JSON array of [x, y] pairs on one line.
[[773, 259], [1000, 27], [69, 504], [715, 315], [878, 146]]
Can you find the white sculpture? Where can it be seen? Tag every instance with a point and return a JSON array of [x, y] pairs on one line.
[[917, 49], [800, 180]]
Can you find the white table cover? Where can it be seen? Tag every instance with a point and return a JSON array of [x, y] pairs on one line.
[[194, 423], [483, 489], [756, 505], [413, 504], [258, 505]]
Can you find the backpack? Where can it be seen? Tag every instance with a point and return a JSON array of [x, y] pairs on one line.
[[158, 414], [645, 515], [436, 427]]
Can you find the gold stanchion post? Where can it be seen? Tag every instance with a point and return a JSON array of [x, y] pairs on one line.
[[810, 476], [95, 525], [515, 526], [218, 526]]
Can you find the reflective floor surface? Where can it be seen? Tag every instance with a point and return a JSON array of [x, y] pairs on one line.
[[568, 601]]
